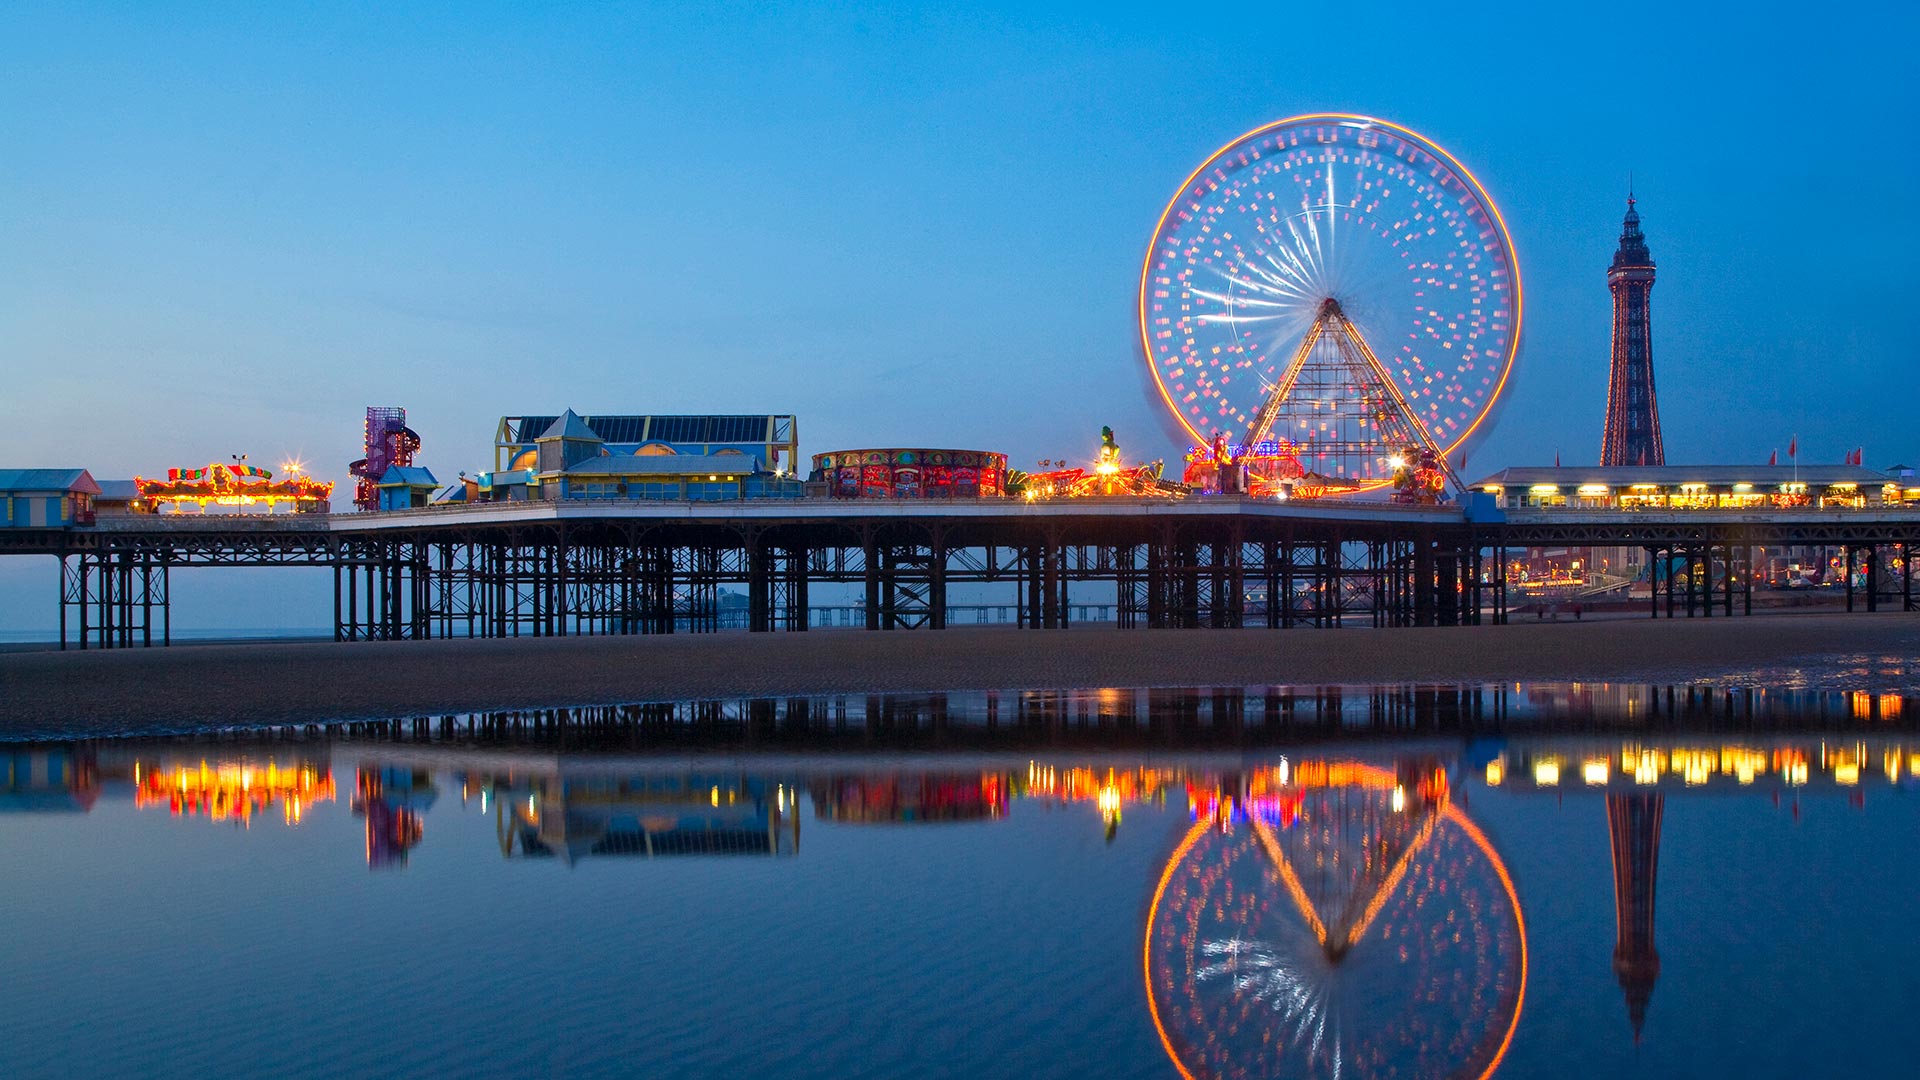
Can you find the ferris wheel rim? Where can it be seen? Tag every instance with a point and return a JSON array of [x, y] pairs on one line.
[[1358, 120]]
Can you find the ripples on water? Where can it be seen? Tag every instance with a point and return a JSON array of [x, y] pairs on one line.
[[1334, 881], [1844, 672]]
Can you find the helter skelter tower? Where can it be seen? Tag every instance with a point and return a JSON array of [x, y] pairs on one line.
[[1632, 435]]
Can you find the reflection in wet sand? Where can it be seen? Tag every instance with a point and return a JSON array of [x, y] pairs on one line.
[[572, 814], [1341, 920], [1331, 912]]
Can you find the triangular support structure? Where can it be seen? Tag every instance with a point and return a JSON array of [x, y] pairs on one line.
[[1398, 422], [1358, 910]]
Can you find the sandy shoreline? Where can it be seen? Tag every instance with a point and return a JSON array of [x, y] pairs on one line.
[[74, 694]]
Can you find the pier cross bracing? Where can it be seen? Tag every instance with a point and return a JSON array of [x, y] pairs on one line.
[[563, 568]]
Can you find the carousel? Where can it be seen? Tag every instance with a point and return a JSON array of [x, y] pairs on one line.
[[233, 488]]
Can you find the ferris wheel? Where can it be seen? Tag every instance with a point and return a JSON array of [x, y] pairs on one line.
[[1334, 290]]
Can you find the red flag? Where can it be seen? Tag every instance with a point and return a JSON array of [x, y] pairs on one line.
[[1556, 459], [1793, 447], [1773, 458]]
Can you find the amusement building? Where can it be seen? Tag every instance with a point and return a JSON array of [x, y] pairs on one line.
[[1330, 308]]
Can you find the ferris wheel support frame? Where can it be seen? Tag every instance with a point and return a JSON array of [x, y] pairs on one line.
[[1359, 356]]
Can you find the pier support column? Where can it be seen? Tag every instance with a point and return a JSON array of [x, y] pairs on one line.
[[1424, 595], [937, 581], [759, 587], [1130, 583], [871, 577]]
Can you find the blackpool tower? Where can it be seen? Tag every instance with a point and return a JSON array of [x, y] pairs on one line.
[[1632, 436]]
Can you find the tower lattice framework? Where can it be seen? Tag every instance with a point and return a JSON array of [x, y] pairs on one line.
[[1632, 435]]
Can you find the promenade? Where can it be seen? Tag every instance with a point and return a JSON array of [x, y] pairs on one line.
[[74, 694]]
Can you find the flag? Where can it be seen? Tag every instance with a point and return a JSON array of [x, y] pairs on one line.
[[1773, 458], [1793, 447], [1556, 459]]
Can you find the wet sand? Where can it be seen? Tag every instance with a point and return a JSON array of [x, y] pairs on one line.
[[75, 694]]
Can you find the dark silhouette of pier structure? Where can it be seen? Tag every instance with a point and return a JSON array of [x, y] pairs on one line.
[[635, 567]]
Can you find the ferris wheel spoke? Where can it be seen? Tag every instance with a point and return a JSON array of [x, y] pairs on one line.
[[1293, 279], [1298, 277], [1251, 301]]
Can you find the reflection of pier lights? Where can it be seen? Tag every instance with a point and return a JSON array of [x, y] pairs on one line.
[[1633, 832]]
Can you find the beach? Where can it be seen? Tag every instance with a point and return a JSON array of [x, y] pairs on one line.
[[77, 694]]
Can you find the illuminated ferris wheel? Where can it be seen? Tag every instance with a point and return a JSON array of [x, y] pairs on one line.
[[1333, 290]]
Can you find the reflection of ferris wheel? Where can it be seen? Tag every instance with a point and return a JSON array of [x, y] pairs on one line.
[[1345, 925], [1420, 337]]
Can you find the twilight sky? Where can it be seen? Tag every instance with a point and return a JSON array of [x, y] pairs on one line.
[[228, 229]]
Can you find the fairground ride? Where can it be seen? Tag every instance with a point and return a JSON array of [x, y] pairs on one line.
[[1109, 476], [389, 443], [235, 488], [1282, 262]]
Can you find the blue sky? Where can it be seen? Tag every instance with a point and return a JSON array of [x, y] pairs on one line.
[[228, 229]]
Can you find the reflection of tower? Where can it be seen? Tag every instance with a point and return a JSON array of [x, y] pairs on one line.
[[1632, 435], [1633, 827]]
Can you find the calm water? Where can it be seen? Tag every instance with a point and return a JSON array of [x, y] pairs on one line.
[[1593, 880]]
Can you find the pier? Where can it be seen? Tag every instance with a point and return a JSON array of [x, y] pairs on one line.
[[558, 568]]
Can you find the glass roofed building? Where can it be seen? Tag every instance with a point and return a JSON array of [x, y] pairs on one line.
[[570, 459], [773, 441]]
